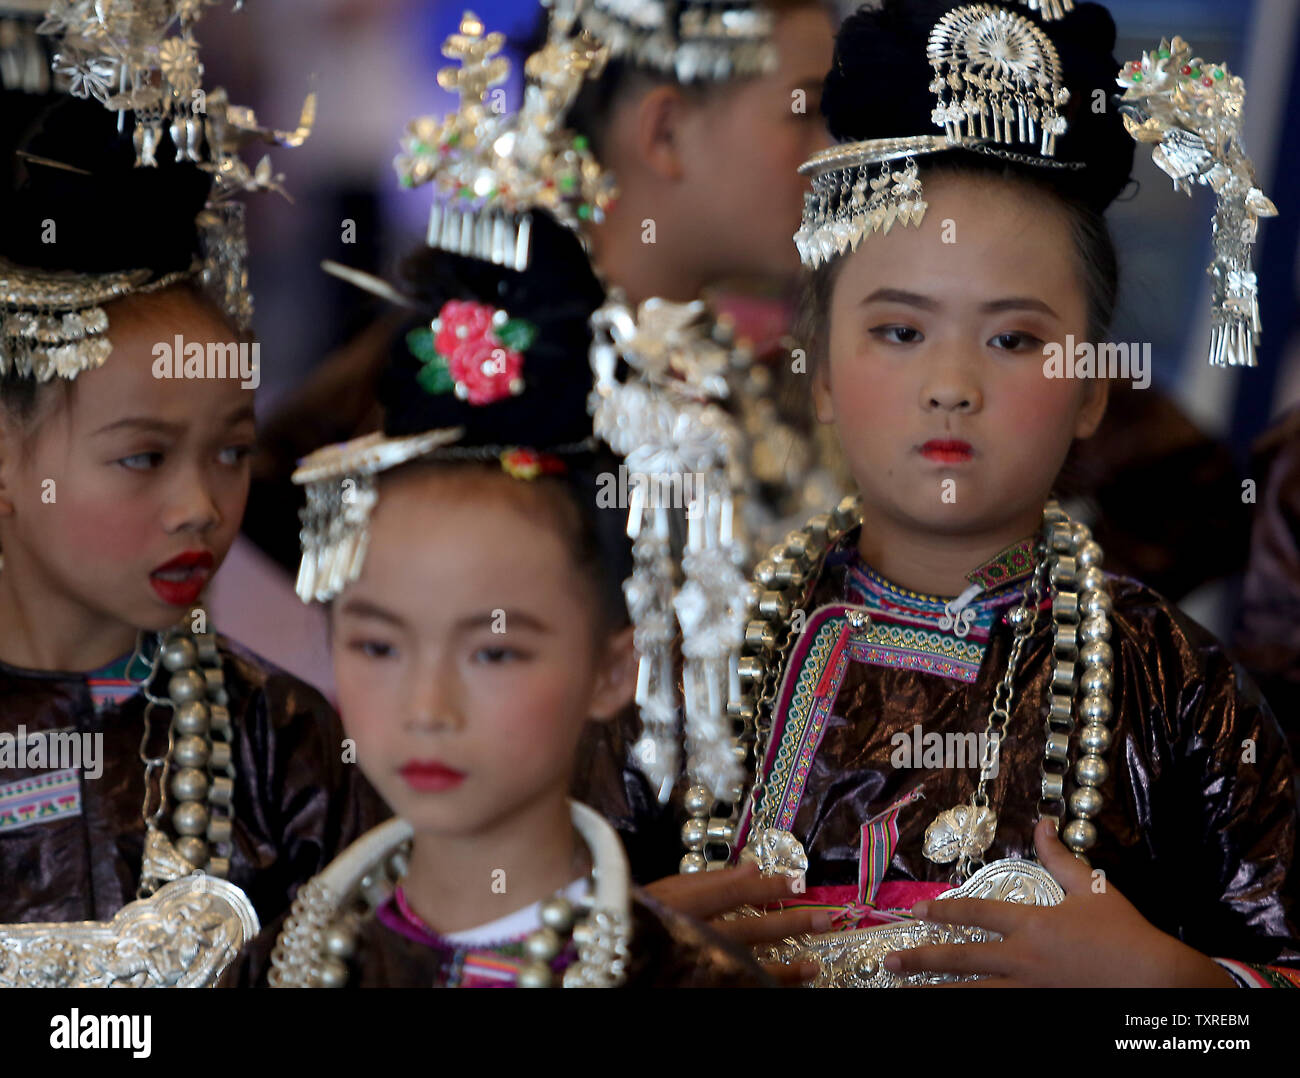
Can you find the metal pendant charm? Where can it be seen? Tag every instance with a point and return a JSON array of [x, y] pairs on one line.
[[776, 852], [964, 831]]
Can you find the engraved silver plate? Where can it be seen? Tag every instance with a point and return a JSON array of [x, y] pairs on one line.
[[855, 959], [184, 936]]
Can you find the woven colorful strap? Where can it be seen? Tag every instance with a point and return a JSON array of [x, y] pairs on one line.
[[1252, 975], [879, 837]]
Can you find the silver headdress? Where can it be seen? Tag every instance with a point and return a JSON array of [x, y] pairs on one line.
[[997, 83], [688, 39], [659, 374], [490, 169], [141, 56], [340, 482], [1049, 10], [1190, 113]]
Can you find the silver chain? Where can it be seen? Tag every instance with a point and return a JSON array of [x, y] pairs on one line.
[[1024, 618]]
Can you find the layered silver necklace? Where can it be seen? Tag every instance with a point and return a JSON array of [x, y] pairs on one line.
[[319, 935], [1082, 656], [196, 771], [1069, 563]]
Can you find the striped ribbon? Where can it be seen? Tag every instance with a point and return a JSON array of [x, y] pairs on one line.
[[879, 837]]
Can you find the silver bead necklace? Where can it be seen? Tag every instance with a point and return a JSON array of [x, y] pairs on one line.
[[197, 768], [1081, 654], [1081, 658], [320, 933]]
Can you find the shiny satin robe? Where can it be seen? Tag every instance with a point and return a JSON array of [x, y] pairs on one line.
[[1198, 828], [667, 951], [295, 804]]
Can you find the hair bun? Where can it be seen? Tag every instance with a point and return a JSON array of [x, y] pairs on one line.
[[557, 294], [108, 215], [878, 87]]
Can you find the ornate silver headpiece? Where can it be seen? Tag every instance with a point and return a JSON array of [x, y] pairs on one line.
[[682, 453], [688, 39], [1049, 10], [489, 169], [997, 82], [1190, 113], [340, 482], [52, 324], [141, 56], [1005, 69]]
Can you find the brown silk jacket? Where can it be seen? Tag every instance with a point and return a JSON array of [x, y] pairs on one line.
[[295, 805], [1198, 828]]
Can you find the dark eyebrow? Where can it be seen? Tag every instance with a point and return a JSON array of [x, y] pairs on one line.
[[897, 295], [363, 608], [925, 303], [240, 414], [161, 426], [145, 423], [1019, 303], [509, 617]]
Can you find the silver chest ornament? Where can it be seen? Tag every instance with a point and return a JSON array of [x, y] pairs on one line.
[[183, 936], [855, 959], [961, 834]]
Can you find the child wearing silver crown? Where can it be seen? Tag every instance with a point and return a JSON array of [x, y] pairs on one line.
[[161, 789], [951, 702], [466, 712]]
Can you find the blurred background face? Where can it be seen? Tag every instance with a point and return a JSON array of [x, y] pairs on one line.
[[935, 359], [742, 149], [144, 470], [465, 654]]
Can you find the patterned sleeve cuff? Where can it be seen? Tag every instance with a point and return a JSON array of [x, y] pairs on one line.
[[1249, 975]]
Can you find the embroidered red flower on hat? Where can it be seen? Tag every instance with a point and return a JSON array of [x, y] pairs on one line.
[[529, 463], [474, 350]]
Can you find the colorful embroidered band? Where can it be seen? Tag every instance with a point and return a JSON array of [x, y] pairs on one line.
[[879, 837]]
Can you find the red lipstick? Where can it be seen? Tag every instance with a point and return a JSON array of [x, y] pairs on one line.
[[946, 450], [181, 580], [430, 776]]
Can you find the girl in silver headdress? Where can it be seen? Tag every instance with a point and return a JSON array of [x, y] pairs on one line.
[[941, 675], [137, 745]]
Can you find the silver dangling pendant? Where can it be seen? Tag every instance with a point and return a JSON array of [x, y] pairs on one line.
[[962, 833]]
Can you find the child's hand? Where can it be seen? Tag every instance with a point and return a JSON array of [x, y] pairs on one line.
[[706, 896], [1090, 940]]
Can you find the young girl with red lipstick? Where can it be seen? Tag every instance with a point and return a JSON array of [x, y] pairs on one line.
[[477, 629], [952, 601], [120, 494]]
